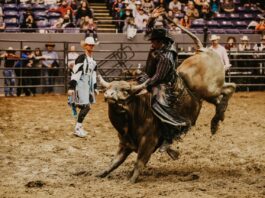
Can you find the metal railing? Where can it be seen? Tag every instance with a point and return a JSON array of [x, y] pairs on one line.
[[247, 71]]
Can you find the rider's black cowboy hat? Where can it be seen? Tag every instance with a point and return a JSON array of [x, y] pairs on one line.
[[160, 34]]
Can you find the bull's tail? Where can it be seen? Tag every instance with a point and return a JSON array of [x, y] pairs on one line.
[[193, 36]]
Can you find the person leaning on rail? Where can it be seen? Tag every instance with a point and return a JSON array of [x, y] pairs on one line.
[[10, 58]]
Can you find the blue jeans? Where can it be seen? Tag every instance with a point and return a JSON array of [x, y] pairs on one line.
[[9, 81]]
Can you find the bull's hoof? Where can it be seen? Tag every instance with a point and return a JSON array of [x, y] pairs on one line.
[[222, 117], [173, 154], [214, 127], [102, 174], [133, 180]]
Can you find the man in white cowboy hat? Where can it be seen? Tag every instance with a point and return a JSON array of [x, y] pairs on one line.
[[244, 45], [83, 83], [132, 5], [220, 50], [8, 72]]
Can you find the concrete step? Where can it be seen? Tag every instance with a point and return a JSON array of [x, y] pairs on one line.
[[101, 11], [106, 30], [96, 4], [98, 7], [105, 18], [102, 17], [106, 26], [104, 22], [96, 14]]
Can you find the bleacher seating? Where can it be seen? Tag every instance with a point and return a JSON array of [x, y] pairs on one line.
[[10, 7], [23, 7], [217, 31], [221, 23], [221, 16], [240, 24], [197, 23], [40, 15], [232, 31], [213, 24], [226, 24], [233, 16]]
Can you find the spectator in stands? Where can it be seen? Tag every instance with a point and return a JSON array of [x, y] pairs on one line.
[[140, 19], [119, 14], [1, 14], [231, 44], [74, 5], [173, 29], [171, 15], [68, 21], [228, 6], [71, 57], [83, 11], [9, 76], [36, 68], [28, 23], [191, 11], [36, 2], [62, 9], [89, 27], [51, 65], [215, 6], [64, 22], [260, 46], [131, 29], [129, 25], [206, 12], [30, 72], [198, 4], [138, 5], [148, 6], [185, 21], [126, 4], [260, 27], [132, 6], [110, 6], [220, 50], [26, 65], [50, 2], [58, 24], [244, 45], [175, 6], [160, 3], [2, 26], [160, 23]]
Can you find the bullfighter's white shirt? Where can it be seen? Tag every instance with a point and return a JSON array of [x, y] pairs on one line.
[[85, 75]]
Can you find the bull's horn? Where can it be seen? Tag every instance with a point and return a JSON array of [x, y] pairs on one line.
[[103, 82], [139, 87]]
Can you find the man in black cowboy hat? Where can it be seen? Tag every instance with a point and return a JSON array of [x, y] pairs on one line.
[[51, 63], [160, 70]]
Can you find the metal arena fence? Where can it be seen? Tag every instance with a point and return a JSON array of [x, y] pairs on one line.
[[114, 62]]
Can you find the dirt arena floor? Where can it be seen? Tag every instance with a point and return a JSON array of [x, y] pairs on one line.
[[40, 157]]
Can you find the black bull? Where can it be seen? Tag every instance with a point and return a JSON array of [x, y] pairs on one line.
[[139, 130]]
